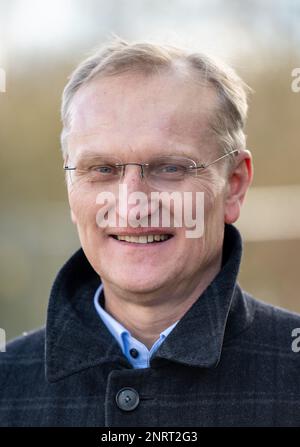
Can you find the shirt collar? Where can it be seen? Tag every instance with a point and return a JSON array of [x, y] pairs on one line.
[[77, 339], [114, 326]]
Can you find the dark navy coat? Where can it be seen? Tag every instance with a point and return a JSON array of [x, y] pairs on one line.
[[228, 362]]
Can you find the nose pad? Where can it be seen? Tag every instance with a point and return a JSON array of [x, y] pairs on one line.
[[142, 174], [142, 171]]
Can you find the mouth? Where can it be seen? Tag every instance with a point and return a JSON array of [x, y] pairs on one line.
[[142, 239]]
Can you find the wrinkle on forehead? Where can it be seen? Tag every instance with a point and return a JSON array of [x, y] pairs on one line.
[[132, 106]]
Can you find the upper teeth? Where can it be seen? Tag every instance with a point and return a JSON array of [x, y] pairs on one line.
[[143, 239]]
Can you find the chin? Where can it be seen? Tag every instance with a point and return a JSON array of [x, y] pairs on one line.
[[134, 282]]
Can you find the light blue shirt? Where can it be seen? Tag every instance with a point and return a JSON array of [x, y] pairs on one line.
[[126, 341]]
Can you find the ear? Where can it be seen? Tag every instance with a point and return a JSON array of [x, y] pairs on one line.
[[239, 180]]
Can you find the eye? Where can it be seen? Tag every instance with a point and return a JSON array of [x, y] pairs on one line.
[[171, 169], [102, 173], [103, 169]]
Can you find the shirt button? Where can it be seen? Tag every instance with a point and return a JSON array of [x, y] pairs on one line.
[[127, 399], [134, 353]]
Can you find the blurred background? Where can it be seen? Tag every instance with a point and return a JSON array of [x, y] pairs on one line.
[[41, 41]]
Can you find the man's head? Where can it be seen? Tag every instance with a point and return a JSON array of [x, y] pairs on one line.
[[136, 103]]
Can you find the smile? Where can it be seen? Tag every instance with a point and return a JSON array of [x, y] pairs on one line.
[[144, 239]]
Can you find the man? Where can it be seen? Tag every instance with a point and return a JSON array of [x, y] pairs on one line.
[[147, 326]]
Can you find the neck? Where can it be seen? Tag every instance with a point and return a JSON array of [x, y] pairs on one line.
[[146, 318]]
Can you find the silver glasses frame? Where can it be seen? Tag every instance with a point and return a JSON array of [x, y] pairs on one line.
[[145, 165]]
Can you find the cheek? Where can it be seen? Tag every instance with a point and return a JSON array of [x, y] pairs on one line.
[[83, 208], [213, 198], [212, 183]]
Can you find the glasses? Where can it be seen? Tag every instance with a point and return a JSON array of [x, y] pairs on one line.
[[166, 172]]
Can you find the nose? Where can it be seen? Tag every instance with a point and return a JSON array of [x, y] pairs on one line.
[[135, 182], [134, 177]]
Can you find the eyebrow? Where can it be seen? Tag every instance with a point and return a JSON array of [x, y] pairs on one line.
[[90, 154], [94, 154]]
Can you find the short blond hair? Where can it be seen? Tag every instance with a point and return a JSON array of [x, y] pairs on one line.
[[120, 56]]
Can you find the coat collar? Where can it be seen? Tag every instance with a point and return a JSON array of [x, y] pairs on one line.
[[76, 339]]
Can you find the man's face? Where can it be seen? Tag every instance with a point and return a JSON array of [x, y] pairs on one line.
[[136, 118]]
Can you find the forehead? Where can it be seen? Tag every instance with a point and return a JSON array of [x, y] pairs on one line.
[[137, 111]]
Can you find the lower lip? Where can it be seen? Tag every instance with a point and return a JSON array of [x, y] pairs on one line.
[[138, 245]]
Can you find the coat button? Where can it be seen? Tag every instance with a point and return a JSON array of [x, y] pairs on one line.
[[127, 399]]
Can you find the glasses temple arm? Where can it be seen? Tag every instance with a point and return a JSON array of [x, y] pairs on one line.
[[205, 165]]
